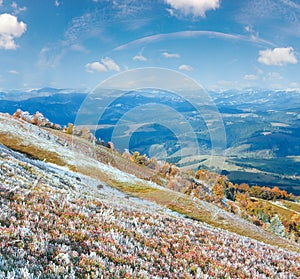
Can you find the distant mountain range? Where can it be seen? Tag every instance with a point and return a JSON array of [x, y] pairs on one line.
[[260, 100], [59, 105], [229, 101], [262, 127]]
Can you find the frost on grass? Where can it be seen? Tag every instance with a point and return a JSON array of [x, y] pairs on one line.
[[55, 223]]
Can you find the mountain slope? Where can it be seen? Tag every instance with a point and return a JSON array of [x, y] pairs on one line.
[[84, 157], [55, 222], [59, 222]]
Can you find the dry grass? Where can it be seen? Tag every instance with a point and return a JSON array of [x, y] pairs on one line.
[[280, 210], [201, 211], [291, 205], [105, 155], [33, 151], [131, 188]]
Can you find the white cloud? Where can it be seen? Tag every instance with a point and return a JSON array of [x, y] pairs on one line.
[[17, 9], [170, 55], [185, 68], [250, 77], [171, 12], [95, 67], [139, 57], [194, 7], [10, 29], [78, 47], [110, 64], [56, 3], [191, 34], [277, 56], [107, 64], [248, 28], [260, 71], [295, 85], [253, 35], [13, 72], [275, 76], [49, 58], [228, 83]]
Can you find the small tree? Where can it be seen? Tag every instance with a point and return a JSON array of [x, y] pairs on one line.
[[218, 190], [69, 129], [243, 199], [276, 226], [244, 187], [139, 159]]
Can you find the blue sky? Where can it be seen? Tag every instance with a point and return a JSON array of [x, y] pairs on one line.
[[79, 43]]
